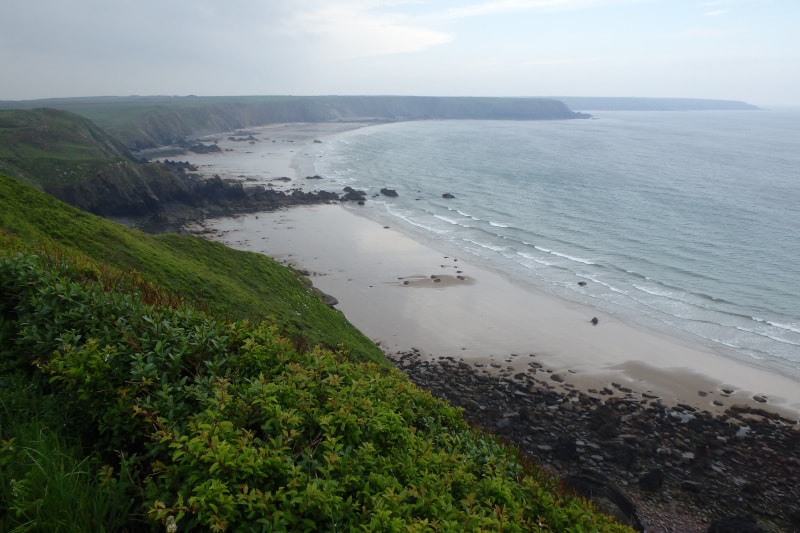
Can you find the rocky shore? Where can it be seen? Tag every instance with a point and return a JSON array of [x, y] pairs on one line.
[[657, 467]]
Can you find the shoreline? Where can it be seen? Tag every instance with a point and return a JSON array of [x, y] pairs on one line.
[[666, 424], [406, 295]]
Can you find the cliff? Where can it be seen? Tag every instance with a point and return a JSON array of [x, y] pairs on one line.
[[71, 158], [145, 122]]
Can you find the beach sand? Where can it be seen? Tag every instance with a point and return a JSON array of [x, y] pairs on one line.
[[405, 295]]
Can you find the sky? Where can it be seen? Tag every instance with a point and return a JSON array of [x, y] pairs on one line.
[[727, 49]]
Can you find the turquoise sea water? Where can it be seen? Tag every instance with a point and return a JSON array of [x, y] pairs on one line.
[[683, 222]]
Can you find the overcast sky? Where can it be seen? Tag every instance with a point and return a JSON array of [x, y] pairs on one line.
[[732, 49]]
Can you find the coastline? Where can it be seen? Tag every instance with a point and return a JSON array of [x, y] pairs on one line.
[[386, 284], [383, 281], [627, 405]]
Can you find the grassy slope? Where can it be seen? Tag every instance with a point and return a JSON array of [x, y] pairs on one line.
[[207, 275], [43, 144]]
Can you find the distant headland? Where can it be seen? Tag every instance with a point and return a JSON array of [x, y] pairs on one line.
[[604, 103]]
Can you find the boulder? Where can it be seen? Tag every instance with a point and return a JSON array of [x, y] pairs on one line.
[[606, 497], [735, 524], [448, 196], [389, 192], [653, 480], [352, 195]]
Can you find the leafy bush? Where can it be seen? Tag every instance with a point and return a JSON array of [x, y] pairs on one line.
[[204, 424]]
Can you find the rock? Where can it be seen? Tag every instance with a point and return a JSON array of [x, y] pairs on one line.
[[448, 196], [582, 283], [201, 148], [314, 177], [502, 426], [605, 497], [653, 480], [352, 195], [594, 321], [391, 193], [329, 300], [692, 486], [566, 448], [735, 524]]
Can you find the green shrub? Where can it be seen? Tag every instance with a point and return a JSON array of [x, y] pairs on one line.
[[211, 425]]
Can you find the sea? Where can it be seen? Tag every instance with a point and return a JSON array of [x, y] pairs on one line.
[[687, 223]]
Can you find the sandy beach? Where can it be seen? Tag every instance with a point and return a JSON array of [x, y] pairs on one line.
[[406, 295]]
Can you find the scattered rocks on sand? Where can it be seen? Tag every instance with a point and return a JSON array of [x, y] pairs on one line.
[[681, 470]]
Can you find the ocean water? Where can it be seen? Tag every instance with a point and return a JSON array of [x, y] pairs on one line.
[[683, 222]]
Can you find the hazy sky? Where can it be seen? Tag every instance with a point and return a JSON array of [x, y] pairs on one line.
[[734, 49]]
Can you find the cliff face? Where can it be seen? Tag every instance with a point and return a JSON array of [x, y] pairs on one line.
[[71, 158]]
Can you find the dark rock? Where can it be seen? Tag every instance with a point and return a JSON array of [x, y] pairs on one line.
[[352, 195], [329, 300], [653, 480], [566, 448], [314, 177], [201, 148], [594, 321], [735, 524], [691, 486], [605, 497], [389, 192], [582, 283], [448, 196], [502, 425]]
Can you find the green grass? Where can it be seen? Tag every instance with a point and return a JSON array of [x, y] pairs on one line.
[[227, 283], [47, 482]]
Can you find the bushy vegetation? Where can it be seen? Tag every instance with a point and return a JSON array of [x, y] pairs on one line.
[[126, 407], [182, 419], [224, 282]]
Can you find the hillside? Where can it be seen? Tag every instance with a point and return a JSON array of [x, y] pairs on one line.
[[132, 398], [71, 158], [146, 122], [206, 275]]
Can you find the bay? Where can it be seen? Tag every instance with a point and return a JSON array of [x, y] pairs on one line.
[[682, 222]]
